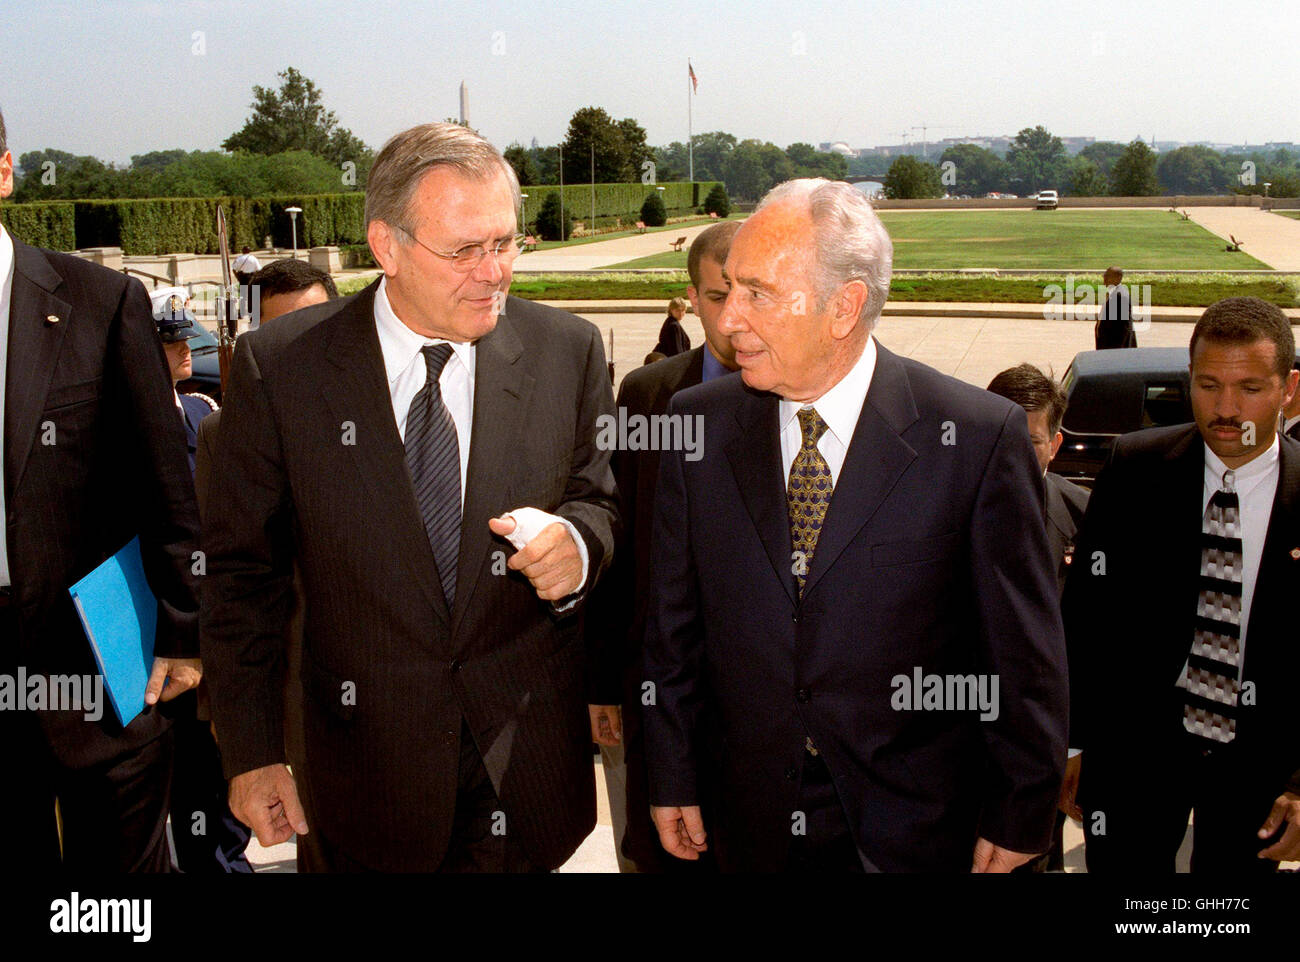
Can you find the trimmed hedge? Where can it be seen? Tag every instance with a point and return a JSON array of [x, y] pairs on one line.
[[188, 224], [48, 224], [616, 200]]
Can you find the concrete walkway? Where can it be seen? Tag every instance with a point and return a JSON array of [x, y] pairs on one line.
[[1263, 235], [598, 254]]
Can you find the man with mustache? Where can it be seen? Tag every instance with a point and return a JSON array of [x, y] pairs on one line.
[[1180, 619]]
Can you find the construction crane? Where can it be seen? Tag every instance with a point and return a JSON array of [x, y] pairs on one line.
[[925, 143]]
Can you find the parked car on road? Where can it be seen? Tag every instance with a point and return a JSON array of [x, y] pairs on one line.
[[1047, 200]]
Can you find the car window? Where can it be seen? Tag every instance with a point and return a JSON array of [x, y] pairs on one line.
[[205, 338], [1165, 403]]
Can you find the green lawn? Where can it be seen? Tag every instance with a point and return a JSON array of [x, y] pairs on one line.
[[1166, 291], [1293, 214], [1052, 240], [614, 235]]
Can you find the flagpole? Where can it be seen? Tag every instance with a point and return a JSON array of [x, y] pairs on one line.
[[690, 120]]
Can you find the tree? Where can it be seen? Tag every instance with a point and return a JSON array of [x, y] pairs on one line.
[[1037, 157], [293, 118], [522, 163], [712, 153], [744, 174], [1103, 153], [717, 202], [810, 162], [653, 211], [156, 159], [619, 148], [977, 170], [1191, 170], [1084, 179], [911, 177], [549, 221], [1134, 173]]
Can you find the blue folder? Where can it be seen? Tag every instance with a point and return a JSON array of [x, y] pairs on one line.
[[120, 615]]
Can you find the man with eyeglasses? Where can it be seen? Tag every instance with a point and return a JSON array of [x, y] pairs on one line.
[[423, 453]]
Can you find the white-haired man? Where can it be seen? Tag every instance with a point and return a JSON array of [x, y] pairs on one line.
[[853, 602]]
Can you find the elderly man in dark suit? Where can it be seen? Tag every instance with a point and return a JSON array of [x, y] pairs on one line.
[[853, 579], [616, 618], [398, 446], [94, 456], [1180, 617]]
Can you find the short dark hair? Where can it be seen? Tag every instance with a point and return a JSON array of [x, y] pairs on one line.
[[1032, 390], [1245, 320], [712, 242], [290, 275]]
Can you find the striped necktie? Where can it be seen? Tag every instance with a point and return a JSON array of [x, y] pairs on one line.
[[1209, 677], [433, 457]]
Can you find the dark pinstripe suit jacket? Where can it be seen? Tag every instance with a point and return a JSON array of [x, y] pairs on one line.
[[389, 671], [94, 454]]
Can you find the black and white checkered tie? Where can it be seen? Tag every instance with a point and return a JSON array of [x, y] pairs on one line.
[[1210, 675], [433, 457]]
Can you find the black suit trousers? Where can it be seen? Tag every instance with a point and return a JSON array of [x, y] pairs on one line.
[[114, 813], [1145, 815]]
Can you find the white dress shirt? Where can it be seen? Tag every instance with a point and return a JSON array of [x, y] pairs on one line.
[[1256, 485], [6, 294], [839, 408], [407, 372]]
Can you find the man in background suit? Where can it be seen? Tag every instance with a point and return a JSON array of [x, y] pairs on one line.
[[1180, 617], [615, 621], [1291, 414], [1044, 403], [1115, 320], [279, 288], [856, 521], [389, 444], [94, 456]]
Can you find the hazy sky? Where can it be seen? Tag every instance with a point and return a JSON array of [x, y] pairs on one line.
[[119, 77]]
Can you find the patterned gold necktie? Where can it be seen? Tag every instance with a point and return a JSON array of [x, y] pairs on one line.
[[808, 494]]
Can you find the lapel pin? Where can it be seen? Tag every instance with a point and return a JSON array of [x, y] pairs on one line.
[[51, 318], [1295, 554]]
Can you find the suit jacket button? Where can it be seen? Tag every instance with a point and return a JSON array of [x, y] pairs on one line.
[[455, 666], [803, 695], [791, 773]]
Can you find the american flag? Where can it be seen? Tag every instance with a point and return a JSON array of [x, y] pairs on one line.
[[695, 81]]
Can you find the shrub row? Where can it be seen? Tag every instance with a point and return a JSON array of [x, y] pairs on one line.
[[188, 224], [50, 224]]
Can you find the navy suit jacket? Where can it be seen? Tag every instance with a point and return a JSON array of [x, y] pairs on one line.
[[933, 556]]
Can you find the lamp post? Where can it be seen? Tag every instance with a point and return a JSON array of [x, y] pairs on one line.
[[523, 211], [662, 194], [293, 213]]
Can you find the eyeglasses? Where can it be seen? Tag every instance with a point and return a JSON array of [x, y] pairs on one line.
[[467, 258]]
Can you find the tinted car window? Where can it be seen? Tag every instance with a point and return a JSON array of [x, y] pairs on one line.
[[1165, 403]]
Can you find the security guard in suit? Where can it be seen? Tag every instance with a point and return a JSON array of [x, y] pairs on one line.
[[206, 837]]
